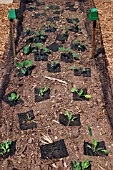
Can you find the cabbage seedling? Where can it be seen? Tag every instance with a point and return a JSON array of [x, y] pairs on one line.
[[80, 166], [43, 90], [65, 50], [70, 117], [95, 147], [27, 49], [13, 97], [29, 118], [23, 66], [5, 147], [81, 93], [54, 63]]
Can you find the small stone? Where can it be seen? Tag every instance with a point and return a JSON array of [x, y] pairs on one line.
[[30, 140]]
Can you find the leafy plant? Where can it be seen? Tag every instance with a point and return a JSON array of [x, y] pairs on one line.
[[74, 22], [27, 30], [81, 93], [13, 97], [23, 66], [29, 118], [5, 147], [54, 63], [74, 68], [45, 49], [65, 50], [46, 7], [75, 56], [40, 33], [80, 166], [81, 46], [70, 117], [43, 90], [26, 49], [64, 30], [90, 131], [95, 145]]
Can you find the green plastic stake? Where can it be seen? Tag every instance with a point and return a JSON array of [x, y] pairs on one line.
[[93, 14], [11, 14]]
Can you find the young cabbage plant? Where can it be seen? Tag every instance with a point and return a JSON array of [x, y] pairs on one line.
[[26, 49], [5, 147], [23, 66], [44, 49], [95, 148], [65, 50], [80, 166], [13, 97], [54, 63], [40, 33], [64, 30], [70, 117], [74, 68], [75, 56], [81, 93], [29, 118], [43, 90]]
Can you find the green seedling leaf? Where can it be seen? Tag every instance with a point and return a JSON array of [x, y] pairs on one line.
[[13, 97], [46, 50], [42, 37], [75, 55], [76, 165], [23, 70], [26, 49], [5, 147], [42, 32], [19, 64], [74, 90], [90, 131], [105, 151], [85, 164], [29, 118], [83, 69], [45, 89], [37, 33], [42, 90], [27, 63], [62, 49], [68, 50], [74, 22], [80, 93], [54, 63], [76, 41], [74, 68], [47, 7], [87, 96], [95, 144], [39, 45], [68, 115], [27, 29]]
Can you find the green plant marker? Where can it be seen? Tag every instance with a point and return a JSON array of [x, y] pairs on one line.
[[90, 131], [11, 14], [93, 14]]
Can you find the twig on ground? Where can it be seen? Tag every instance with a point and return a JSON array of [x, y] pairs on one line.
[[55, 79]]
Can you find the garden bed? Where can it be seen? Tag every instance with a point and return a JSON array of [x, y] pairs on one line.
[[48, 130]]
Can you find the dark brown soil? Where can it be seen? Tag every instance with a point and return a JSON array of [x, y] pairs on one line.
[[46, 112]]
